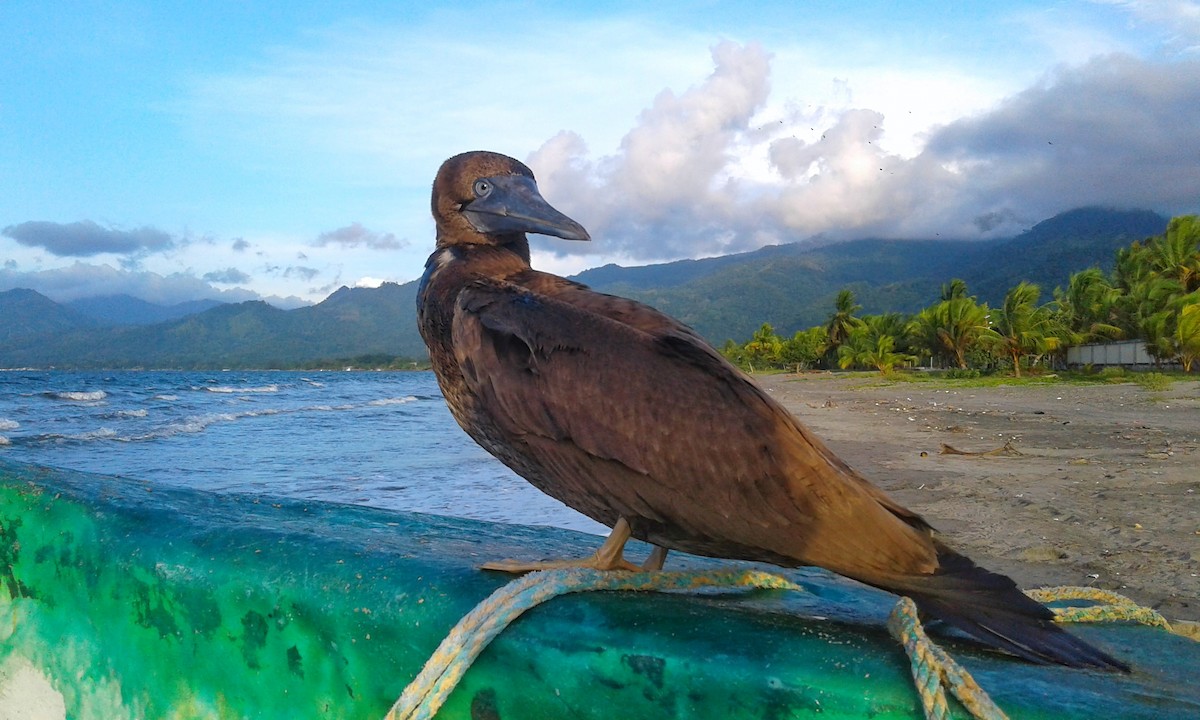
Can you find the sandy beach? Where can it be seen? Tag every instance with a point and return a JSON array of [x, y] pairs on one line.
[[1100, 485]]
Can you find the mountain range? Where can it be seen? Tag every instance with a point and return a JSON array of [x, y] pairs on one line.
[[791, 286], [128, 310]]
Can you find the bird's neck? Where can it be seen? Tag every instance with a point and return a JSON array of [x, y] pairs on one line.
[[519, 246], [449, 270], [452, 267], [516, 244], [496, 262]]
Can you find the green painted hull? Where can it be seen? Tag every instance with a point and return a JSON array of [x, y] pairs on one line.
[[122, 600]]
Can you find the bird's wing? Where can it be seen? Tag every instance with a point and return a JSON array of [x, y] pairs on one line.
[[657, 426]]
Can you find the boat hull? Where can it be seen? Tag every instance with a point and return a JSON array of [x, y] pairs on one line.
[[122, 599]]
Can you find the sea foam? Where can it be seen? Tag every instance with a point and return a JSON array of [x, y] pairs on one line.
[[394, 401], [229, 389], [78, 396]]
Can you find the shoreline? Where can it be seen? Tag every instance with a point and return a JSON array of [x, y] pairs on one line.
[[1104, 490]]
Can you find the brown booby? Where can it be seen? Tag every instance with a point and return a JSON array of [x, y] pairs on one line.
[[628, 416]]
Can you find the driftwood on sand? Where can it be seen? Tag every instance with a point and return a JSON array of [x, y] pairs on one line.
[[1006, 450]]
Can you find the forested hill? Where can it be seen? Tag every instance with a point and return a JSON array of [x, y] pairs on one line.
[[350, 323], [793, 286], [790, 286]]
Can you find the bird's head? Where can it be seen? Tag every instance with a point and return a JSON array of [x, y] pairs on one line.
[[487, 198]]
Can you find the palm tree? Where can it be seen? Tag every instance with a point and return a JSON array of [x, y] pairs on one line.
[[923, 337], [872, 345], [952, 328], [1087, 309], [1021, 327], [1148, 312], [1187, 334], [956, 288], [1158, 331], [1131, 276], [764, 348], [1147, 295], [843, 320], [1176, 254], [861, 352], [894, 324]]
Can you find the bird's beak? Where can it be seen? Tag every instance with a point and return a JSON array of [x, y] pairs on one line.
[[514, 204]]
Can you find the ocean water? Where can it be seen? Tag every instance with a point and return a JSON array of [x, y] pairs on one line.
[[383, 439]]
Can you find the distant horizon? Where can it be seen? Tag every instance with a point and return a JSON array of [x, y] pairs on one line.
[[816, 242], [792, 287]]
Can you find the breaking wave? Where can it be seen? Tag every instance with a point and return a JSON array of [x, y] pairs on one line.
[[194, 424], [102, 433], [78, 396], [229, 389], [393, 401]]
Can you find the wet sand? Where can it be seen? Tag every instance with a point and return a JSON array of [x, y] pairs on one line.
[[1105, 490]]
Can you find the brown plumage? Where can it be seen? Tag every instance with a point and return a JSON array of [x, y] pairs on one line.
[[626, 415]]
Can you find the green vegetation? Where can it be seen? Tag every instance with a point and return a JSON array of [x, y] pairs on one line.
[[877, 341], [1022, 328], [1152, 294], [1153, 381], [361, 328], [1122, 295], [371, 361], [792, 286]]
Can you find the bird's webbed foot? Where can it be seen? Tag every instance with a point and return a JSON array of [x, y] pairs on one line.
[[610, 556]]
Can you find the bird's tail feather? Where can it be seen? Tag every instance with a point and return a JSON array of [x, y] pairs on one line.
[[991, 608]]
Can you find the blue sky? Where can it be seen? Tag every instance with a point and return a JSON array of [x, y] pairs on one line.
[[280, 150]]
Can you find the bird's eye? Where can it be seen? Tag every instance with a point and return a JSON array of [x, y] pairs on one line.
[[482, 188]]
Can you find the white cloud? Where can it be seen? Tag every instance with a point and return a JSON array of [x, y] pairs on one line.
[[1112, 131], [81, 280], [672, 161]]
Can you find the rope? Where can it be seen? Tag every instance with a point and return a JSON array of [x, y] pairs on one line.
[[425, 695], [933, 670], [1113, 607]]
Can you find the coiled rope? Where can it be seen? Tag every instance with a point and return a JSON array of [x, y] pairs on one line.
[[426, 693], [1112, 607], [933, 670]]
